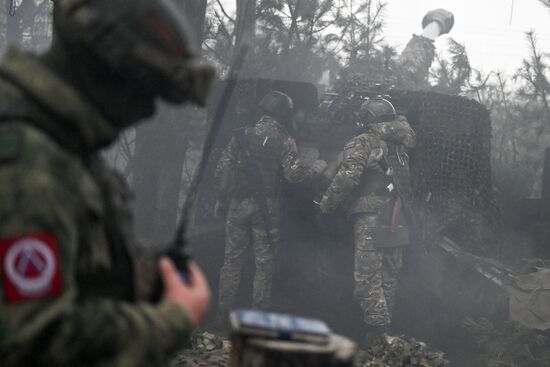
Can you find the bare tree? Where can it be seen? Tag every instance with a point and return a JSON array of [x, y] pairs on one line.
[[288, 39], [361, 25], [534, 71]]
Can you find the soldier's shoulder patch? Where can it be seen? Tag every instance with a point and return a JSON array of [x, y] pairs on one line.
[[31, 267], [10, 145]]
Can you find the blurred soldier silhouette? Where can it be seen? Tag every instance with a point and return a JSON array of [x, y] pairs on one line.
[[66, 243], [249, 175], [363, 187]]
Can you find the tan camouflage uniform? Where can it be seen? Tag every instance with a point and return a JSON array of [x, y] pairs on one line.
[[244, 221], [53, 181], [360, 187]]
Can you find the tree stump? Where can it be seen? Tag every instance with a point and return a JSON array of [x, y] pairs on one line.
[[256, 352]]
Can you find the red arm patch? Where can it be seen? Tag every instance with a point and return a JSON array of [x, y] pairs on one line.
[[30, 267]]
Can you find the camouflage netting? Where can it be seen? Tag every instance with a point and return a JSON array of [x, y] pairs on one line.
[[450, 167]]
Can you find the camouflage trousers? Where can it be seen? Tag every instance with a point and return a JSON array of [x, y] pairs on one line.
[[375, 272], [245, 225]]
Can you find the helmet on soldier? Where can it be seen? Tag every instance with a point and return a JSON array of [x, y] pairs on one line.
[[375, 110], [145, 40], [277, 104]]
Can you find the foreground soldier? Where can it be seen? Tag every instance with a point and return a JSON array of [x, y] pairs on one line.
[[361, 187], [66, 244], [249, 176]]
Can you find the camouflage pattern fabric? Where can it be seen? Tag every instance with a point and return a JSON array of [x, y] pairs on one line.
[[53, 182], [292, 169], [414, 63], [359, 179], [375, 272], [244, 222], [360, 185], [393, 351], [398, 132], [353, 163], [245, 226]]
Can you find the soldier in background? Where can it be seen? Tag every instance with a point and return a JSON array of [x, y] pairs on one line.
[[248, 179], [66, 244], [362, 186]]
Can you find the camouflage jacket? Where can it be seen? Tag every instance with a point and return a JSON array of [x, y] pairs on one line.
[[414, 63], [278, 162], [360, 183], [66, 285]]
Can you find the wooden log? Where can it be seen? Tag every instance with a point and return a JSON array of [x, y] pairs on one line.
[[256, 352]]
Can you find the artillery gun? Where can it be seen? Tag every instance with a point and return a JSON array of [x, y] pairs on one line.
[[450, 167]]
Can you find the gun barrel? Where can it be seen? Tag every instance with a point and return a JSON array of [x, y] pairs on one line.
[[432, 31]]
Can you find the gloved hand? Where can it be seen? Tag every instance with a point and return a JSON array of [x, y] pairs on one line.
[[445, 18], [319, 166]]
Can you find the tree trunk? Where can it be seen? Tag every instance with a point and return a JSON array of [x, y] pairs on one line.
[[160, 152], [196, 15], [245, 29], [545, 204], [158, 163]]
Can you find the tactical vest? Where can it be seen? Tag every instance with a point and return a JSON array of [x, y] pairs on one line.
[[373, 196], [398, 159], [372, 190], [259, 164]]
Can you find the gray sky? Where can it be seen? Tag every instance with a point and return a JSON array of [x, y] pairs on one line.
[[492, 42]]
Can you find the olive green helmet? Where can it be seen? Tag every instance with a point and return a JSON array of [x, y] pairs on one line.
[[143, 39], [377, 109], [277, 104]]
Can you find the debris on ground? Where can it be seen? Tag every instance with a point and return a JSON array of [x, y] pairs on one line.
[[394, 351], [507, 343], [205, 341], [206, 350], [209, 350]]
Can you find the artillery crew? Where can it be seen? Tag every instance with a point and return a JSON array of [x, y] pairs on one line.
[[248, 178], [363, 186]]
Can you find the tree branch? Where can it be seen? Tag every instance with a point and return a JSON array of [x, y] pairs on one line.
[[224, 12]]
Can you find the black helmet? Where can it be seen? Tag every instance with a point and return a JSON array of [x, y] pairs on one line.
[[145, 39], [277, 104], [375, 110]]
